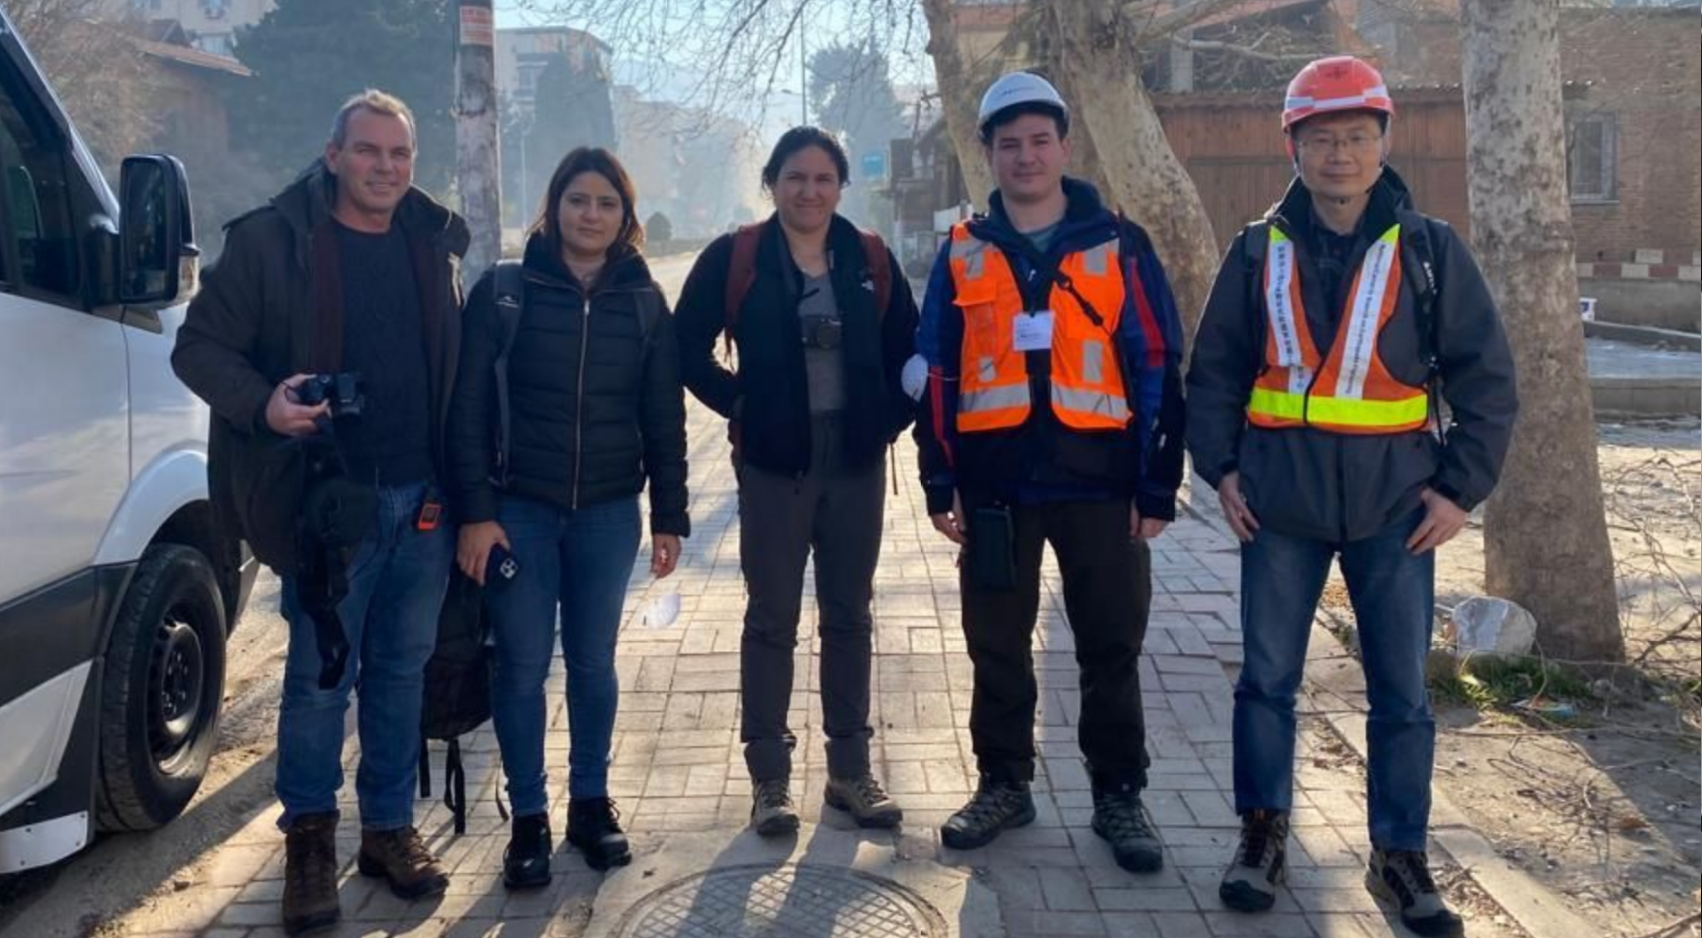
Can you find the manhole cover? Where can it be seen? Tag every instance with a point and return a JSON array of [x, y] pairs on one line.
[[783, 902]]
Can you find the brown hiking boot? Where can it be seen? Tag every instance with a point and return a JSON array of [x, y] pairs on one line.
[[310, 874], [401, 857]]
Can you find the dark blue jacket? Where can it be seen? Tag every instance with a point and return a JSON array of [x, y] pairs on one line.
[[1043, 459]]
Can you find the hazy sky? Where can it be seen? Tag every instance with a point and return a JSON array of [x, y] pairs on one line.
[[827, 18]]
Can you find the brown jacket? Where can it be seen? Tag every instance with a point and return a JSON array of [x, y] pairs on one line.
[[271, 307]]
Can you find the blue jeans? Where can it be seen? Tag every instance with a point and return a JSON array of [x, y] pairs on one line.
[[397, 578], [581, 560], [1393, 594]]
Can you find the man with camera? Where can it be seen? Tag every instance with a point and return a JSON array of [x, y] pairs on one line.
[[325, 341], [1052, 414]]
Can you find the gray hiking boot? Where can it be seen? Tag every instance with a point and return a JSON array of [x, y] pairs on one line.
[[865, 800], [1402, 878], [997, 806], [1260, 865], [1121, 820], [772, 812]]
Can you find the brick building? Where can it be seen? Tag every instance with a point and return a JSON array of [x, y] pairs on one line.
[[1633, 99], [1634, 131]]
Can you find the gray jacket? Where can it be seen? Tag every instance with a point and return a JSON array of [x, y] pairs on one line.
[[1306, 482]]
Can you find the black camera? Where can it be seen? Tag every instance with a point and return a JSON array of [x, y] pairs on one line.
[[341, 390], [823, 333]]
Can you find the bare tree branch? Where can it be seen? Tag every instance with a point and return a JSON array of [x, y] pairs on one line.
[[97, 70], [1209, 45]]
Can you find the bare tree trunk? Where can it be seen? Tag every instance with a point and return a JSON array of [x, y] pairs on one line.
[[1545, 533], [1121, 144], [960, 95], [476, 152]]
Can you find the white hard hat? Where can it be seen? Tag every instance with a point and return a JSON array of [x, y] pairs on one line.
[[1018, 88]]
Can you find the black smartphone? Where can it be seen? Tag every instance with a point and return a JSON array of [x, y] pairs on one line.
[[500, 567], [992, 548]]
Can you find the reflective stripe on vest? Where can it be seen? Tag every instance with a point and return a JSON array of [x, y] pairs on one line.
[[1087, 389], [1351, 391]]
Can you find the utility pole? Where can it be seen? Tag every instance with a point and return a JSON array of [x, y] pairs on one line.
[[477, 157]]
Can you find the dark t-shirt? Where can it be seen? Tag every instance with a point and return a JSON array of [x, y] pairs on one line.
[[384, 340]]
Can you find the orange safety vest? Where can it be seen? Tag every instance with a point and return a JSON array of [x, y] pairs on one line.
[[1352, 391], [1087, 380]]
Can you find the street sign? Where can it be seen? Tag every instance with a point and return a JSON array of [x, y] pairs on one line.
[[874, 165]]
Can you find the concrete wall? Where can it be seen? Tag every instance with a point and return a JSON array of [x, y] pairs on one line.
[[1666, 304]]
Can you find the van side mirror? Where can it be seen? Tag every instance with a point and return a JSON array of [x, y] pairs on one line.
[[157, 255]]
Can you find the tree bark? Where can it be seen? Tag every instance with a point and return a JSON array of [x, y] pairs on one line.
[[1545, 533], [477, 156], [960, 97], [1121, 146]]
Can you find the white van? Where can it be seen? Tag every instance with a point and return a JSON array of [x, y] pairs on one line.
[[115, 593]]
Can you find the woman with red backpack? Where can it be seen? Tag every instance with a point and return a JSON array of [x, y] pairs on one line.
[[822, 321]]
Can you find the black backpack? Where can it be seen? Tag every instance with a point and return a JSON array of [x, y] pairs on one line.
[[457, 697]]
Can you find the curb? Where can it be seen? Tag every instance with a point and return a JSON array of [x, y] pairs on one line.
[[1331, 670], [1528, 902], [1646, 397], [1643, 335]]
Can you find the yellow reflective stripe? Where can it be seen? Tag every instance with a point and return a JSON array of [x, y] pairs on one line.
[[1337, 410]]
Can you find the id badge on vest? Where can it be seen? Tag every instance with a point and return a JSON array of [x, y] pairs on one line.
[[1033, 331]]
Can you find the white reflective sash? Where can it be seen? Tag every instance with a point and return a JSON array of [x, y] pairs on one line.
[[1366, 313], [1279, 306]]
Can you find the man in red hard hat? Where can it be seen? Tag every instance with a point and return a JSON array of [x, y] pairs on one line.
[[1336, 322]]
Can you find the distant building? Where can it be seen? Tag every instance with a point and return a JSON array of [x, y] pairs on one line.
[[699, 170], [523, 53], [209, 25]]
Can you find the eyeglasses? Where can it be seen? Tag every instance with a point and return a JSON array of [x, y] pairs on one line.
[[1329, 143]]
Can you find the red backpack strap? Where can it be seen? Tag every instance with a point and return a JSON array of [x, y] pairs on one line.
[[880, 268], [741, 273]]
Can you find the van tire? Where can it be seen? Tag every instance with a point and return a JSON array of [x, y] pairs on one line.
[[161, 686]]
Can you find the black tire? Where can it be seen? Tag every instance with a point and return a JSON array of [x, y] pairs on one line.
[[160, 692]]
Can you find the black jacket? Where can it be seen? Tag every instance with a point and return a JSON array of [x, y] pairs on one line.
[[271, 307], [767, 398], [1312, 483], [594, 395]]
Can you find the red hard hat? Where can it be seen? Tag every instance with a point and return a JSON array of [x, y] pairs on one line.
[[1338, 83]]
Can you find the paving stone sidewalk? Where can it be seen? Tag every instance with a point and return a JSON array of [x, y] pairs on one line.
[[679, 776]]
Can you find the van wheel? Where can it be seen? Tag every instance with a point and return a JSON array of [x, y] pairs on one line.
[[161, 688]]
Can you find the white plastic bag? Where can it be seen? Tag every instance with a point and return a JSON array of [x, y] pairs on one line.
[[662, 611], [1484, 625]]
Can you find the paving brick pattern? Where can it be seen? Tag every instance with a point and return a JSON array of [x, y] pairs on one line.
[[678, 767]]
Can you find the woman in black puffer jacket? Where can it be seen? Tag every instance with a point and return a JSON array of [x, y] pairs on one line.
[[565, 406]]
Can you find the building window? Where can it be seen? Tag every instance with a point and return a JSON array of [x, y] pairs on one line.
[[1592, 158], [215, 43]]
